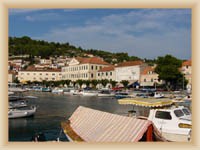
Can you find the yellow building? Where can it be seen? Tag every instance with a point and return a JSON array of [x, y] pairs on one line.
[[83, 68], [32, 74]]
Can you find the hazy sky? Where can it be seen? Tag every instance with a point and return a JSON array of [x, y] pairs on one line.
[[146, 33]]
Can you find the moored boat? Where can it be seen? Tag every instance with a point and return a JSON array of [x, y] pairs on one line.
[[20, 113]]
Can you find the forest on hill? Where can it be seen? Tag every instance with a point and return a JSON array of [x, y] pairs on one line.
[[26, 45]]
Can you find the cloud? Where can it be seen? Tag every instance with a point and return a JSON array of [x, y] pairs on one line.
[[13, 11], [146, 33], [44, 17]]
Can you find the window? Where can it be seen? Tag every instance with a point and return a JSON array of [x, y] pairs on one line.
[[106, 74], [145, 80], [111, 73], [91, 75], [34, 73], [178, 113], [47, 74], [96, 67], [98, 74], [27, 73], [151, 80], [92, 67], [163, 115], [53, 74], [102, 73], [186, 111], [40, 73]]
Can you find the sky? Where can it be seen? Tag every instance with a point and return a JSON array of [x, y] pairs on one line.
[[145, 33]]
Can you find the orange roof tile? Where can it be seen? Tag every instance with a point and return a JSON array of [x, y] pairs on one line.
[[147, 69], [130, 63], [187, 63], [109, 68], [91, 60], [32, 68]]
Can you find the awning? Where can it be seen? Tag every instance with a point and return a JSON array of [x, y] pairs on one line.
[[146, 102], [91, 125]]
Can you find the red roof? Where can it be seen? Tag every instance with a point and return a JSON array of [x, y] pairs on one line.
[[91, 60], [187, 63], [32, 68], [147, 69], [105, 69], [130, 63]]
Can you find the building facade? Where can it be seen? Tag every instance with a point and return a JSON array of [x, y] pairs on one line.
[[149, 77], [186, 69], [106, 73], [83, 68], [39, 75], [130, 71]]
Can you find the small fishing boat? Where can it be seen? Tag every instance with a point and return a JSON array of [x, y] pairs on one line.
[[20, 113], [105, 93], [89, 93], [17, 104], [120, 95], [57, 90], [46, 89]]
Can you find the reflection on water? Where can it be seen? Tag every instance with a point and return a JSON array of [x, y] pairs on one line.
[[53, 109]]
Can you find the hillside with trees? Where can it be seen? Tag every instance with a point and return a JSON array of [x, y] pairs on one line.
[[26, 45]]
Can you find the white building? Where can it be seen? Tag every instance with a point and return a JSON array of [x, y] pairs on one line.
[[129, 70], [83, 68]]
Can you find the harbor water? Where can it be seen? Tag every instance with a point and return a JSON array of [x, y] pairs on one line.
[[52, 109]]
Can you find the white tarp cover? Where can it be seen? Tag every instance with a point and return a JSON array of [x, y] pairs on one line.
[[97, 126]]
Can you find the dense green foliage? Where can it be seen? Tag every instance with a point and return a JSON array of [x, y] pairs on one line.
[[168, 70], [26, 45]]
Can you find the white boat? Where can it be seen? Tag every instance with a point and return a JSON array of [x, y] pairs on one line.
[[158, 95], [19, 113], [105, 93], [77, 92], [175, 124], [57, 90], [17, 104], [89, 93]]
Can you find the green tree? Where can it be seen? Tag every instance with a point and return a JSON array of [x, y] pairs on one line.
[[125, 83], [104, 82], [113, 83], [80, 82], [94, 83], [168, 70]]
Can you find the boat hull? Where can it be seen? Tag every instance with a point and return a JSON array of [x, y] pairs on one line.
[[17, 113]]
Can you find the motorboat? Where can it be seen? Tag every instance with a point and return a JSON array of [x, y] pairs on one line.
[[175, 123], [20, 113], [120, 95], [57, 90], [17, 104], [158, 95], [105, 93], [46, 89], [89, 93]]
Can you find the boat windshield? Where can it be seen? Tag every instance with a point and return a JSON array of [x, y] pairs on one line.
[[186, 111], [178, 113]]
